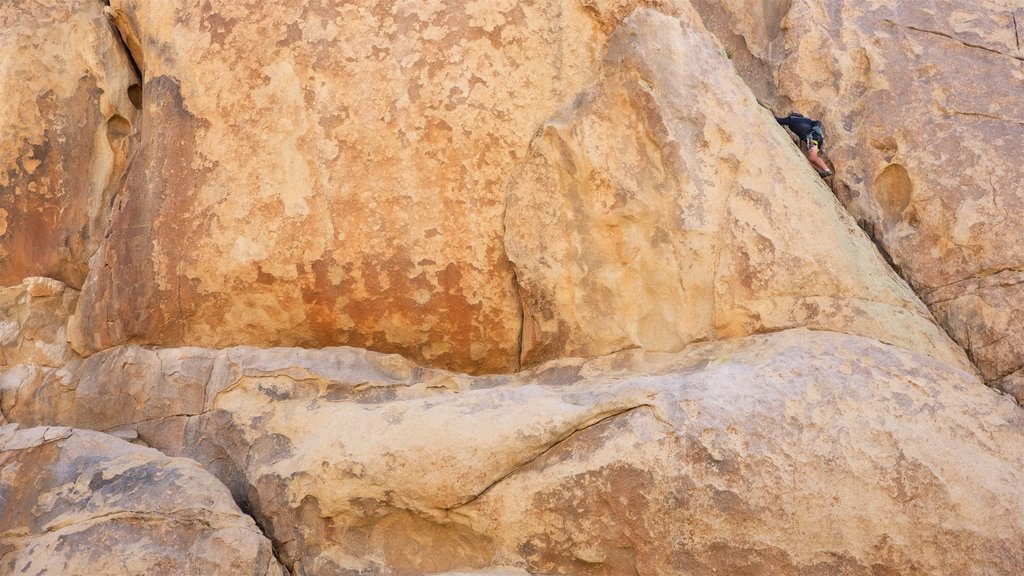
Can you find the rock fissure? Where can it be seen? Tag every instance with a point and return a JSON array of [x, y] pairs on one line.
[[119, 34], [136, 423], [982, 115], [1016, 28], [276, 547], [995, 193], [517, 285], [951, 37], [558, 442], [985, 273]]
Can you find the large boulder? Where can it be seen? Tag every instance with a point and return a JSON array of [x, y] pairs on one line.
[[81, 503], [327, 173], [922, 104], [66, 125], [794, 453], [664, 206]]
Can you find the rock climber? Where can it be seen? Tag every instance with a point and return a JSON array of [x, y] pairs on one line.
[[811, 133]]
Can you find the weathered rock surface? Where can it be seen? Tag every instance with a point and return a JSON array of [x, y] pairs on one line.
[[922, 104], [333, 173], [372, 174], [36, 361], [33, 323], [793, 453], [67, 121], [646, 218], [77, 502]]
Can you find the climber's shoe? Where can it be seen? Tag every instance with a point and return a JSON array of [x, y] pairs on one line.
[[825, 174]]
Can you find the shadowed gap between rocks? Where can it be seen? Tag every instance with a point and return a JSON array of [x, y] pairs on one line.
[[135, 90]]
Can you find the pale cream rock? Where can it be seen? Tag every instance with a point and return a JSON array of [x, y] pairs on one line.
[[66, 129], [792, 452], [357, 461], [663, 206], [925, 124], [81, 503]]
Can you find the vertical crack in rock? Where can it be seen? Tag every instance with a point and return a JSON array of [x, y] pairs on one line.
[[275, 546], [871, 231], [1016, 29], [520, 345], [116, 26], [517, 285]]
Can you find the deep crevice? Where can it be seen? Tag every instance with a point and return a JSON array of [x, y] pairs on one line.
[[869, 228], [516, 284], [132, 58], [1016, 29], [134, 91], [246, 507]]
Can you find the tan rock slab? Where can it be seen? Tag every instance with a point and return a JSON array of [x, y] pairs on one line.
[[84, 503], [664, 206], [791, 452], [42, 287], [926, 128]]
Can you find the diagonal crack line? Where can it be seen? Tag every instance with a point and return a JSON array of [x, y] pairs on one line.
[[985, 273], [545, 451], [953, 38], [983, 115], [1016, 30]]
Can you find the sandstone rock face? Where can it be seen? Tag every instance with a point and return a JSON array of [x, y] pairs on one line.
[[922, 104], [751, 34], [331, 173], [793, 453], [646, 217], [487, 185], [33, 323], [36, 361], [84, 503], [67, 123]]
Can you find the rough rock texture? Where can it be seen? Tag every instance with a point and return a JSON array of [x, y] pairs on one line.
[[318, 173], [65, 142], [36, 361], [84, 503], [644, 218], [33, 323], [922, 104], [488, 184], [751, 35], [793, 453]]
